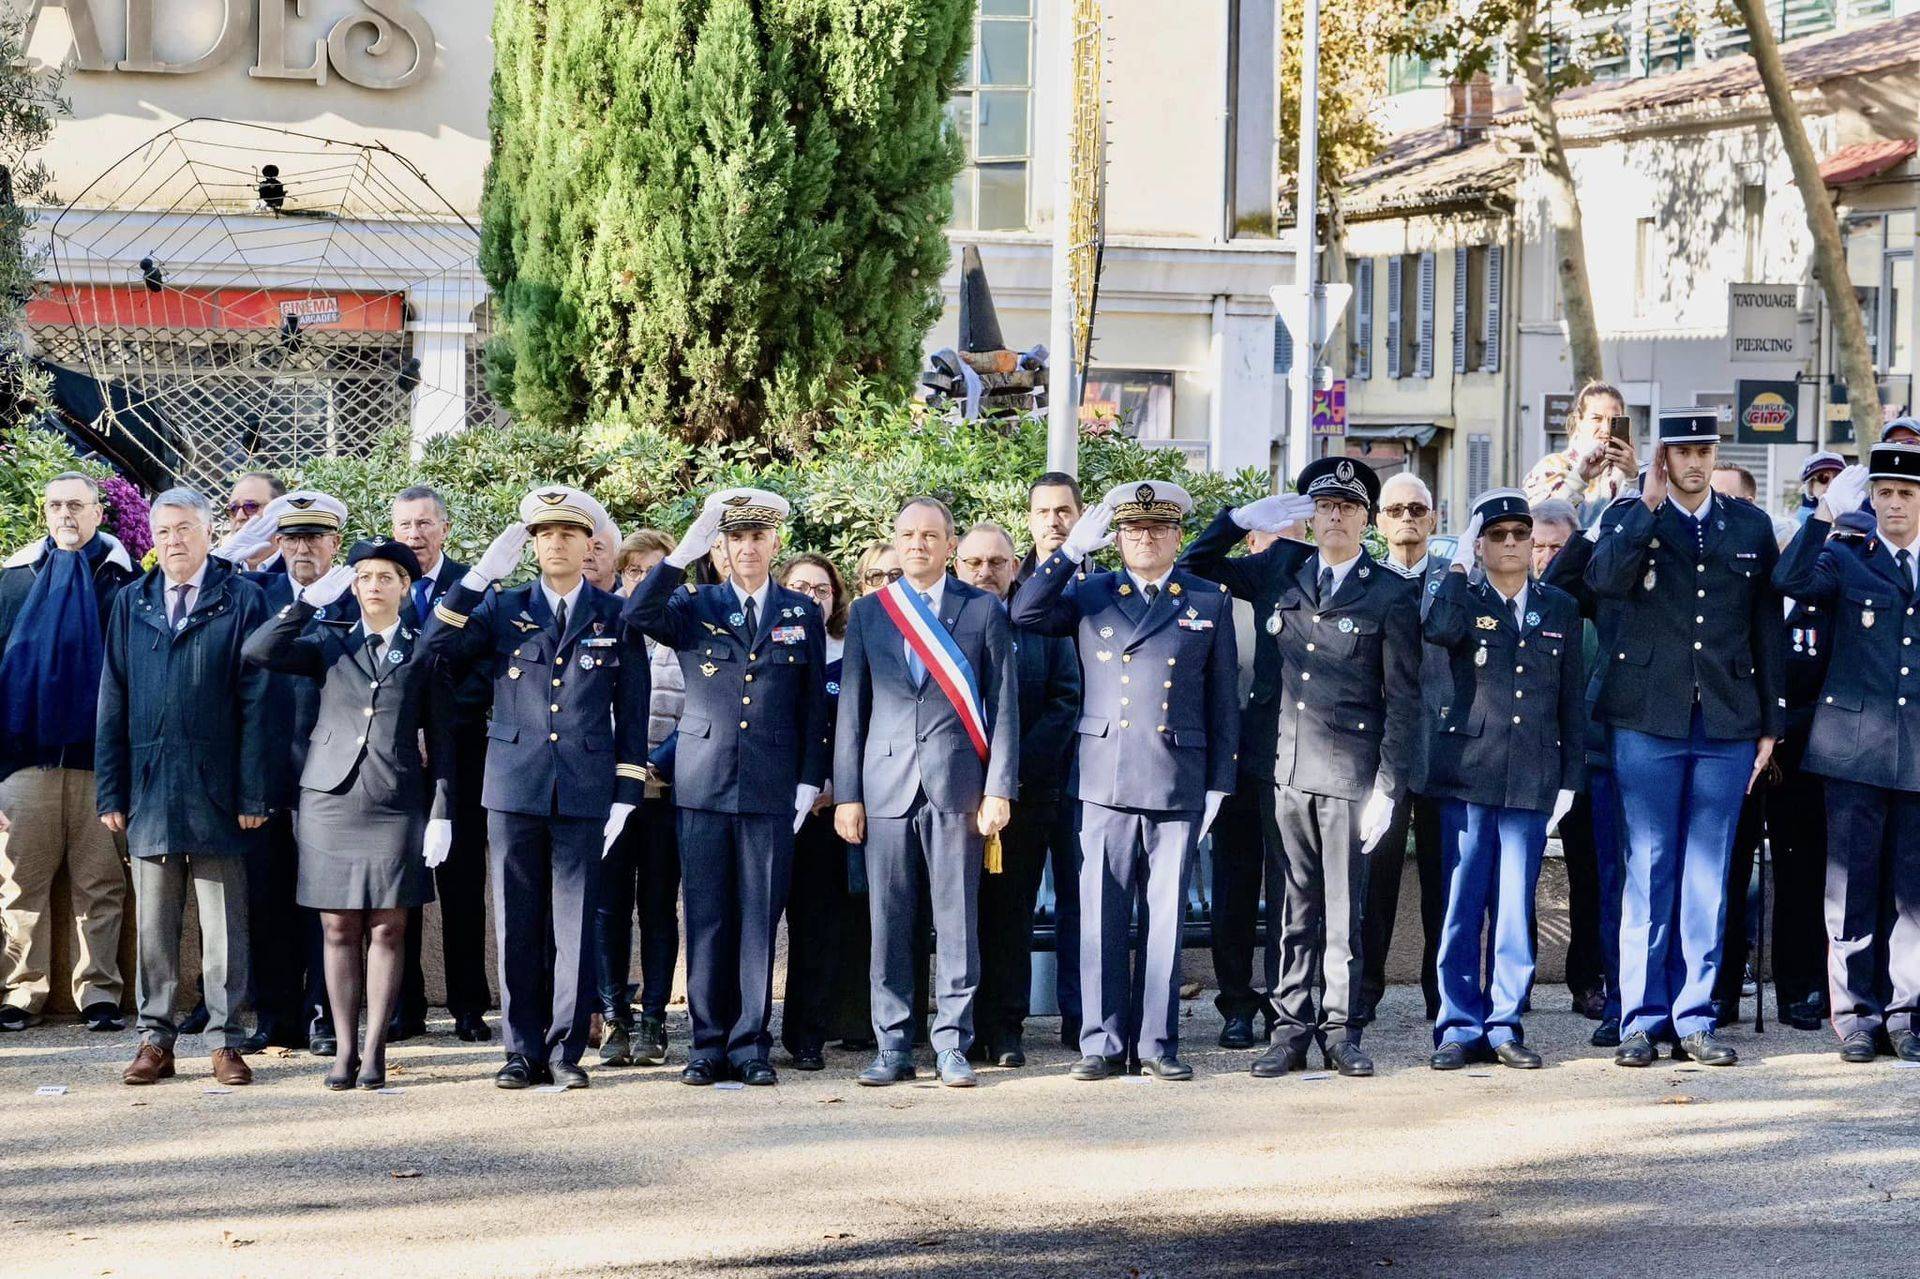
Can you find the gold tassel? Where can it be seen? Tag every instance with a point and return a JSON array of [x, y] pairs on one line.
[[993, 854]]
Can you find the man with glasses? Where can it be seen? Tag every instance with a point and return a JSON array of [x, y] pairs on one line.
[[1049, 676], [55, 597], [253, 493]]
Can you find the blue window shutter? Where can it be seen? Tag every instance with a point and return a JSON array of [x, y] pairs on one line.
[[1460, 282], [1396, 320], [1362, 362], [1282, 348], [1423, 365], [1496, 295]]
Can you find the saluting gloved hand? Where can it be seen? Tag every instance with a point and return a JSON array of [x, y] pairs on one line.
[[804, 797], [1093, 532], [1848, 491], [439, 841], [1272, 514], [501, 557], [699, 536], [1465, 551], [1375, 817], [1215, 798], [250, 539], [616, 822], [327, 588], [1561, 803]]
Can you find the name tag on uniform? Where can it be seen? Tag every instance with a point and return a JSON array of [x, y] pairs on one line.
[[1194, 623], [789, 634], [604, 641], [1553, 634], [1746, 555]]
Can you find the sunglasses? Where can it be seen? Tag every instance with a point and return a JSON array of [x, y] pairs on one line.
[[248, 509], [1411, 510], [883, 576], [1512, 533]]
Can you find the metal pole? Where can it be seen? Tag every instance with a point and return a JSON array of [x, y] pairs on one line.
[[1301, 446], [1063, 389]]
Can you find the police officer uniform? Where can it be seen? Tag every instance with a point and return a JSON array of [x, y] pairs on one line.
[[1158, 740], [1348, 654], [1692, 679], [754, 730], [1865, 742], [1507, 745], [567, 739], [1824, 464]]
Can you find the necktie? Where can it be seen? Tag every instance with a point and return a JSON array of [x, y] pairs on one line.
[[422, 596], [1326, 585], [915, 667], [560, 617], [1904, 559], [1152, 592], [179, 615], [374, 643], [753, 619], [1518, 623]]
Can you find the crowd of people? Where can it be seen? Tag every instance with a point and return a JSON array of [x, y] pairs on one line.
[[1627, 651]]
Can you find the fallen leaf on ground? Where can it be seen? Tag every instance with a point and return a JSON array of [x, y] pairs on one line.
[[1678, 1099], [831, 1101], [401, 1174], [278, 1051], [1189, 989], [232, 1240]]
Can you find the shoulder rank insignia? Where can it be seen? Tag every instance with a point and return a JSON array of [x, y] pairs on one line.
[[1486, 623]]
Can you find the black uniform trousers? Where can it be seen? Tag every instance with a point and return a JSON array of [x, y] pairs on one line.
[[819, 914], [735, 868], [1736, 950], [1586, 960], [1242, 859], [460, 887], [1063, 859], [1797, 834], [284, 957], [643, 871], [546, 877], [1006, 926], [1420, 816], [1318, 995], [1873, 907]]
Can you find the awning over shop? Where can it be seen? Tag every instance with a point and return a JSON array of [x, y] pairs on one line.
[[1864, 160], [1418, 434]]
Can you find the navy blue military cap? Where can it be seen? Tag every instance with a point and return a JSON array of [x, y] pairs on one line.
[[1894, 462], [1822, 462], [398, 554], [1502, 504], [1690, 426], [1343, 478], [1909, 427]]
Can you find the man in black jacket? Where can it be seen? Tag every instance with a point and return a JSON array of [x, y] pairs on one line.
[[46, 758]]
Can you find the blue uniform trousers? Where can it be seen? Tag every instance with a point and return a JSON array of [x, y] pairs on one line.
[[1063, 851], [1488, 856], [1680, 799], [735, 868], [546, 879], [1132, 1009], [939, 854], [1873, 907]]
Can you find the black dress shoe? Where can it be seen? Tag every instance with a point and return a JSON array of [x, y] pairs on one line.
[[1906, 1046], [1449, 1056], [517, 1073], [472, 1028], [1591, 1004], [401, 1029], [370, 1080], [1606, 1034], [256, 1042], [701, 1072], [340, 1078], [809, 1059], [1858, 1048], [321, 1041], [1349, 1059], [1010, 1054], [1635, 1050], [1517, 1055], [1277, 1061], [1093, 1066], [567, 1074], [757, 1073], [1171, 1069], [1708, 1051], [104, 1017], [12, 1018], [195, 1022], [1806, 1014], [1237, 1033]]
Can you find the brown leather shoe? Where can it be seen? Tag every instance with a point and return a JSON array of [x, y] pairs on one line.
[[230, 1068], [151, 1064]]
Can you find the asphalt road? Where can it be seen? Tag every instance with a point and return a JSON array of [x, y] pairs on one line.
[[1789, 1163]]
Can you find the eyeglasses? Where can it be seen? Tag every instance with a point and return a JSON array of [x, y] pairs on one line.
[[1148, 532], [882, 576], [1501, 536], [248, 509], [72, 507], [974, 563], [1410, 510], [818, 591]]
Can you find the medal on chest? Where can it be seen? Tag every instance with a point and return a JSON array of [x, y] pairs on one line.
[[1273, 621], [1646, 583], [1866, 618], [1480, 656]]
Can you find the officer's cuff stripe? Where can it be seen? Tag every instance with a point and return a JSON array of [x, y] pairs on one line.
[[632, 772], [447, 615]]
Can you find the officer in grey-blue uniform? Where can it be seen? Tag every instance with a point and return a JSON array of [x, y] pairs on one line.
[[566, 760], [1157, 752], [1348, 651], [1866, 743], [1693, 692], [1505, 762], [750, 761]]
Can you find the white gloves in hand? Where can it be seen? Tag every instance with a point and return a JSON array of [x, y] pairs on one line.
[[1271, 514], [244, 543], [698, 539], [803, 798], [439, 841], [1561, 803], [616, 822], [1215, 798], [1848, 491], [1375, 817], [1465, 551], [1093, 532], [502, 555], [329, 587]]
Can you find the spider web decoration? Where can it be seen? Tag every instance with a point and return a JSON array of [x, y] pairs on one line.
[[249, 297]]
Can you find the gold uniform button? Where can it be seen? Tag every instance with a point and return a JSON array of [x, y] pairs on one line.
[[1166, 684], [1519, 670], [1164, 706], [1123, 723], [746, 701], [559, 661], [1163, 727], [359, 741], [1306, 674], [554, 707], [1518, 694], [1310, 648], [1126, 679], [743, 723], [368, 712], [516, 652], [1516, 719], [556, 683], [553, 737], [1126, 657], [749, 677]]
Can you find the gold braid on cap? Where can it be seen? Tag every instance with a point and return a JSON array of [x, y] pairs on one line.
[[742, 512]]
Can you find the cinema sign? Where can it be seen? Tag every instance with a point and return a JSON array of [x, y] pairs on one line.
[[377, 44]]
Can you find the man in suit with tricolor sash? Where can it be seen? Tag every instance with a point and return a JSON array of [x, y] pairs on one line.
[[926, 764]]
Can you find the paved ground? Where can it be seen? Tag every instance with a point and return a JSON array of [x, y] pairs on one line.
[[1788, 1162]]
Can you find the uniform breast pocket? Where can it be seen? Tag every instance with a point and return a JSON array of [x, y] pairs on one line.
[[1348, 636]]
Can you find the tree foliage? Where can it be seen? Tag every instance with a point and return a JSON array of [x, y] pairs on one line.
[[714, 216], [1353, 80]]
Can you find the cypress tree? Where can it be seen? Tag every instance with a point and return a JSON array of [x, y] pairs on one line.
[[716, 215]]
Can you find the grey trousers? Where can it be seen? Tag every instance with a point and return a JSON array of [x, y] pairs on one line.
[[159, 902], [1132, 1011], [942, 851], [1320, 934]]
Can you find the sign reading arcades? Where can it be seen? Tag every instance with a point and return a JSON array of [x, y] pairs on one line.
[[379, 44]]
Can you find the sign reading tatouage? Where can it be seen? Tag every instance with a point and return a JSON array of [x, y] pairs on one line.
[[349, 47]]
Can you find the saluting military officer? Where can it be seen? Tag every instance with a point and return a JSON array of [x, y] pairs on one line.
[[1150, 781], [566, 761], [1505, 763], [1866, 744], [1693, 692], [1348, 632], [751, 759]]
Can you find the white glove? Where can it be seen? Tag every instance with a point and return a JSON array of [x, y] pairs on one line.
[[1593, 532], [803, 797], [1374, 820], [1561, 803], [244, 543], [501, 557], [1464, 551], [698, 539], [439, 841], [1848, 491], [1271, 514], [327, 588], [616, 822], [1215, 798], [1093, 532]]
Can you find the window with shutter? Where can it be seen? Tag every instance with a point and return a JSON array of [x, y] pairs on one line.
[[1479, 465], [1460, 294], [1360, 366], [1496, 297], [1282, 348], [1423, 365], [1396, 304]]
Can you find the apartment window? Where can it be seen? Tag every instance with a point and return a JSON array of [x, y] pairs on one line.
[[1469, 308], [1645, 245], [1493, 308], [1410, 302], [1424, 301], [992, 112], [1479, 463], [1360, 331], [1880, 264], [1141, 400]]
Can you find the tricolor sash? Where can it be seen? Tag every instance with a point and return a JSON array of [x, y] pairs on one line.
[[946, 665]]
